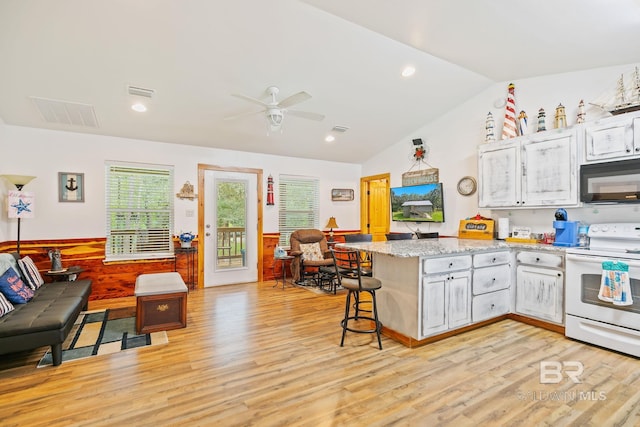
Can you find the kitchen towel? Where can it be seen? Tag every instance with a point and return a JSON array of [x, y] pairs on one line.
[[614, 285]]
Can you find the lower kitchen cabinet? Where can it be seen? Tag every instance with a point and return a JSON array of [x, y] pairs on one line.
[[490, 305], [540, 287], [491, 283], [446, 297]]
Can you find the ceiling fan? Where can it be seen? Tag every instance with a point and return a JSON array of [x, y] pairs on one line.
[[275, 111]]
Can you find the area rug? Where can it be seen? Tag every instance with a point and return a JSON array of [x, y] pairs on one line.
[[102, 332]]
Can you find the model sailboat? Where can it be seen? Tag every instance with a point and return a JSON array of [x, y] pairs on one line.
[[626, 98]]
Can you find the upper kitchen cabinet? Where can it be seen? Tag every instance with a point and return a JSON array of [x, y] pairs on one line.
[[613, 138], [538, 170]]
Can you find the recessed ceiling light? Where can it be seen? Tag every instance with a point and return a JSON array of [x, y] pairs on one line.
[[408, 71], [330, 138], [140, 108]]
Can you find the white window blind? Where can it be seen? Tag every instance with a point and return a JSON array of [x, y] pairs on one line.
[[298, 205], [139, 201]]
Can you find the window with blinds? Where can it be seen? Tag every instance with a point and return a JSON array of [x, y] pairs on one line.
[[139, 201], [298, 205]]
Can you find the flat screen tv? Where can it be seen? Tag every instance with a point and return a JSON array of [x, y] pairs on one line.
[[417, 203]]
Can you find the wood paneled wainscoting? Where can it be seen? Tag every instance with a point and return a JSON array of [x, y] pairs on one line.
[[109, 280], [117, 279]]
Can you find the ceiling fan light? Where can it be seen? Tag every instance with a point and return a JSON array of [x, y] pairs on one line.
[[275, 116]]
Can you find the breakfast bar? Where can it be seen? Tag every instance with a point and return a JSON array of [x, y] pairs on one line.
[[427, 285]]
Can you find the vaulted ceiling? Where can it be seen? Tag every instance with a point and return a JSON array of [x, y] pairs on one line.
[[80, 56]]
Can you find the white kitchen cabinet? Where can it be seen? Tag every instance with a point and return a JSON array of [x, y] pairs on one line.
[[490, 305], [446, 294], [490, 285], [530, 171], [540, 287], [612, 138]]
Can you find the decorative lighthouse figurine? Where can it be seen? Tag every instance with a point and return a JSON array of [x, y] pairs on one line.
[[522, 122], [489, 124], [582, 115], [561, 117], [541, 120], [270, 191], [509, 128]]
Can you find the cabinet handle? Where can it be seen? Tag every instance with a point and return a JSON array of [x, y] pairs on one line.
[[493, 260], [493, 306], [637, 149], [450, 264], [537, 259], [494, 279]]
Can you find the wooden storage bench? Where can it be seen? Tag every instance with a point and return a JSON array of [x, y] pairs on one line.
[[161, 302]]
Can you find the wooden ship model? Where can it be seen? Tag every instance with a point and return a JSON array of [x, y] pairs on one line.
[[626, 98]]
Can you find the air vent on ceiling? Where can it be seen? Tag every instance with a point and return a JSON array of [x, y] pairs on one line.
[[340, 129], [140, 91], [66, 112]]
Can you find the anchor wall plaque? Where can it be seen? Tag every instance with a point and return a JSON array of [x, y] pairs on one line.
[[70, 187]]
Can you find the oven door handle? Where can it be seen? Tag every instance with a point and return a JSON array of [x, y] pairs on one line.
[[600, 259]]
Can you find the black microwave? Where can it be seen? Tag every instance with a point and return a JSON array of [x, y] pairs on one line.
[[610, 182]]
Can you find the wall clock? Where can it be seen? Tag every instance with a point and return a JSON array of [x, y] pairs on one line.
[[467, 185]]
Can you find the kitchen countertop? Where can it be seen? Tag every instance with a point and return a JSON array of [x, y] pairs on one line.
[[442, 246]]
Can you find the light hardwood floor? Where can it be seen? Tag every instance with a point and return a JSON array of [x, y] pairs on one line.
[[257, 355]]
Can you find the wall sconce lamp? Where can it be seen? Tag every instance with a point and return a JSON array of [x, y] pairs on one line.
[[331, 225], [21, 204]]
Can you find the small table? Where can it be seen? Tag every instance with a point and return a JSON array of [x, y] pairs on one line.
[[190, 255], [283, 262], [67, 275]]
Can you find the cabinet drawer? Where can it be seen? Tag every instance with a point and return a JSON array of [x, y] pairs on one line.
[[490, 305], [542, 259], [491, 258], [442, 265], [491, 279]]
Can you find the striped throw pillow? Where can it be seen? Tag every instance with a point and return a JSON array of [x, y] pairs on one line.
[[5, 305], [30, 272]]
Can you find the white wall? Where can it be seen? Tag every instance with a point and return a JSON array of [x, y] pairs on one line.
[[453, 140], [44, 153]]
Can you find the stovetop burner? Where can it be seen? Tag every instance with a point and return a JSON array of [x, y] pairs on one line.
[[619, 240]]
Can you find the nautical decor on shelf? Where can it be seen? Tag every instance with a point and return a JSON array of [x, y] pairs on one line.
[[509, 128], [489, 125], [561, 117], [542, 126], [522, 122], [626, 97], [582, 115]]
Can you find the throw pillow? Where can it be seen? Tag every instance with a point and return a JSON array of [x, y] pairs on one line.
[[5, 306], [30, 273], [311, 251], [12, 286], [6, 261]]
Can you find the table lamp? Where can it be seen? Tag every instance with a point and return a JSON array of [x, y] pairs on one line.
[[21, 203], [331, 225]]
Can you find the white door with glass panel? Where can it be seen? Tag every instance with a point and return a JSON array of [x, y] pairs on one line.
[[230, 228]]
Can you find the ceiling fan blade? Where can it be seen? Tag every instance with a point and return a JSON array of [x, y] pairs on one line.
[[294, 99], [250, 99], [306, 115], [238, 116]]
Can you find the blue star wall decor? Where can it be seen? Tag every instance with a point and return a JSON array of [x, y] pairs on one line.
[[21, 206]]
